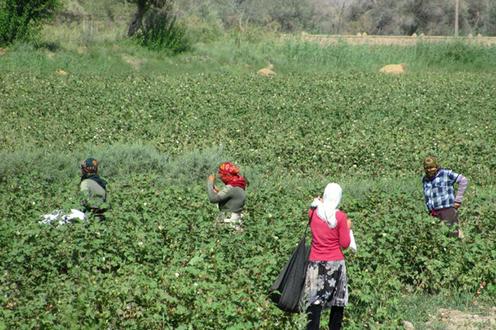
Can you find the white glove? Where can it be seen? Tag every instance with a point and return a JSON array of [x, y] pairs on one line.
[[353, 245]]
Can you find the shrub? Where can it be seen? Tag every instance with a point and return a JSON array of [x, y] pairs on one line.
[[161, 31], [21, 19]]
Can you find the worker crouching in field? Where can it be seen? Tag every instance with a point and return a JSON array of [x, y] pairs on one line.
[[231, 199], [93, 189], [439, 192], [93, 198]]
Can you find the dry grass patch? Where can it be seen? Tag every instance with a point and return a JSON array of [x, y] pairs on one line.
[[61, 72], [134, 62], [82, 50]]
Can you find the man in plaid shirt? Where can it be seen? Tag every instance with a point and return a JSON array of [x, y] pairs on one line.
[[439, 192]]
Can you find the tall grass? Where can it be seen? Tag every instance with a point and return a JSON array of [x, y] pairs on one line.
[[116, 161], [82, 49], [456, 56], [297, 56]]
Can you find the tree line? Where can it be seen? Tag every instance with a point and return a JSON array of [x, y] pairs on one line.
[[155, 21], [383, 17]]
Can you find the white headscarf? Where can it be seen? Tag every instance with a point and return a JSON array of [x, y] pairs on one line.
[[327, 207]]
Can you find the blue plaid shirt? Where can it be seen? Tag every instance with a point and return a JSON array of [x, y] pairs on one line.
[[439, 192]]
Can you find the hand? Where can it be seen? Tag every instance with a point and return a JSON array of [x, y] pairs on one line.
[[211, 178], [457, 205], [316, 202], [349, 223]]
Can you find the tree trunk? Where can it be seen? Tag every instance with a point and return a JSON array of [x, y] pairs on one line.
[[137, 21]]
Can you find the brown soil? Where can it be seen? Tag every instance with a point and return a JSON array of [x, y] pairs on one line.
[[361, 39], [451, 319]]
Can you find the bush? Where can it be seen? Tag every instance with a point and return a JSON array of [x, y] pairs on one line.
[[161, 31], [21, 19]]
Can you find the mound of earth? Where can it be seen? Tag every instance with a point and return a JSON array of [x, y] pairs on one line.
[[267, 71], [393, 68]]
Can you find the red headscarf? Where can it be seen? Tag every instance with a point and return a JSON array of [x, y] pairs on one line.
[[229, 174]]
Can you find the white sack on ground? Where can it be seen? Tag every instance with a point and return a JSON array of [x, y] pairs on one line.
[[59, 217]]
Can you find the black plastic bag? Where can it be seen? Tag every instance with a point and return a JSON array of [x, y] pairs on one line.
[[287, 290]]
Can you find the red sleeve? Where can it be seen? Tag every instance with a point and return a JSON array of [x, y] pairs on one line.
[[344, 231]]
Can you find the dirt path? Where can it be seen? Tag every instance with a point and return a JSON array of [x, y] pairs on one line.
[[451, 319], [393, 40]]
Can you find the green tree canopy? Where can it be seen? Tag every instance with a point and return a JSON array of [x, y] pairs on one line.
[[20, 19]]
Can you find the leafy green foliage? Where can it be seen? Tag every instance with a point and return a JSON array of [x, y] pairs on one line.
[[161, 31], [457, 53], [401, 17], [161, 262], [20, 19]]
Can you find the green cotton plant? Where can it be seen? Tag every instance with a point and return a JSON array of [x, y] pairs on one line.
[[160, 260]]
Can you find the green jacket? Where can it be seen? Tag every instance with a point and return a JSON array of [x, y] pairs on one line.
[[92, 196], [231, 199]]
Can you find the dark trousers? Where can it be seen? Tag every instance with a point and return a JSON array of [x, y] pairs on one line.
[[449, 216], [98, 213], [335, 320]]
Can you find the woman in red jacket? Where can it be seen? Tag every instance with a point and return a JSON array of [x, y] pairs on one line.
[[326, 281]]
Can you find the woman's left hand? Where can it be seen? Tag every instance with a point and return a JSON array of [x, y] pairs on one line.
[[211, 178]]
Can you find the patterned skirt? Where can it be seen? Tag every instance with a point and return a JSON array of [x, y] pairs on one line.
[[326, 284]]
